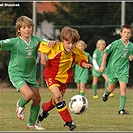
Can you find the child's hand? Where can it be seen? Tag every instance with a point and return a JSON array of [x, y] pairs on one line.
[[101, 69], [131, 57], [87, 65], [51, 44]]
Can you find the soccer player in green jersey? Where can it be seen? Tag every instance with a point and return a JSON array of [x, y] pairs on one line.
[[81, 75], [22, 68], [96, 60], [118, 65]]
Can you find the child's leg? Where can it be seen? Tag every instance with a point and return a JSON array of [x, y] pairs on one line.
[[63, 111], [108, 91], [106, 84], [82, 89], [27, 96], [94, 85], [61, 105], [78, 88], [47, 106], [35, 107], [110, 88], [122, 95]]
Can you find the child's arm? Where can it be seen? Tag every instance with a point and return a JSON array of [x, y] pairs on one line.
[[44, 60], [104, 58], [86, 65], [95, 64], [51, 43]]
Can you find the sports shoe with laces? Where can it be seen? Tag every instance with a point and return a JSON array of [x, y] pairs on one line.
[[71, 125], [123, 111], [36, 126], [105, 97], [43, 114], [20, 111]]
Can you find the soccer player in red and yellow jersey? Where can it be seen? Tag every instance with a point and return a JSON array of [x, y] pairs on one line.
[[58, 71]]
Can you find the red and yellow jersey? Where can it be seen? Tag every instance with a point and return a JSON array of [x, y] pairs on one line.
[[60, 62]]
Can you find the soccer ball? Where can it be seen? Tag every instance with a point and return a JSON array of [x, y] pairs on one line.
[[78, 104]]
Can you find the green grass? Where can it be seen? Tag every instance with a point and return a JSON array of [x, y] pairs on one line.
[[100, 116]]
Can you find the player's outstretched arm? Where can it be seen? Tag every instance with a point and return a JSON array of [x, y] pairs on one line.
[[86, 65]]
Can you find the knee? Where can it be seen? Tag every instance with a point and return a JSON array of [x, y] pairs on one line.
[[58, 98], [29, 96], [36, 100]]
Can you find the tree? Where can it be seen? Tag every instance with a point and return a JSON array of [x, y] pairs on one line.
[[93, 20], [8, 15]]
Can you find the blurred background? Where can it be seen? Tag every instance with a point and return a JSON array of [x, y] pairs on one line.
[[93, 20]]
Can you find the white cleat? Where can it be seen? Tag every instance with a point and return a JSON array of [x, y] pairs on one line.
[[20, 111], [36, 126]]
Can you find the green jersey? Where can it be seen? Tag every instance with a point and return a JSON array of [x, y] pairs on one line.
[[118, 63], [97, 60], [23, 57], [82, 74], [97, 56]]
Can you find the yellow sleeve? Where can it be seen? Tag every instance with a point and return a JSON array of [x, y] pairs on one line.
[[80, 56], [43, 47]]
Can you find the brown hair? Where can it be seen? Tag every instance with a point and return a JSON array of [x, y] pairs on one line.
[[69, 33], [127, 27], [20, 21]]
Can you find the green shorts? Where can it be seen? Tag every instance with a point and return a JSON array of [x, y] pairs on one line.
[[81, 81], [18, 81], [95, 73], [113, 80]]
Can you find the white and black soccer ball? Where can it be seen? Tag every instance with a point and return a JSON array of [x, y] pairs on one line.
[[78, 104]]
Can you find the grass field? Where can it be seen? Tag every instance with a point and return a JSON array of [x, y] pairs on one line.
[[100, 116]]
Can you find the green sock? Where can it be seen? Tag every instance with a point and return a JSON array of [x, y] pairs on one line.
[[106, 85], [122, 102], [78, 92], [82, 93], [34, 110], [107, 92], [94, 88], [22, 102]]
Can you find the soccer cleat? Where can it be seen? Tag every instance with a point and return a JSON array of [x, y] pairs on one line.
[[95, 96], [111, 95], [20, 111], [105, 97], [71, 125], [123, 111], [36, 126], [42, 115]]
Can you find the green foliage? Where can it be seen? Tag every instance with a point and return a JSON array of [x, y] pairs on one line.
[[93, 20], [9, 14], [100, 116]]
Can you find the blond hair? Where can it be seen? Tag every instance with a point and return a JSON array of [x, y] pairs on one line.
[[83, 43], [20, 21], [99, 42], [69, 33]]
